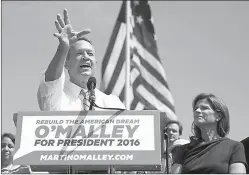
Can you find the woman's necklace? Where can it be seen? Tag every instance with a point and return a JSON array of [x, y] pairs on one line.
[[203, 141]]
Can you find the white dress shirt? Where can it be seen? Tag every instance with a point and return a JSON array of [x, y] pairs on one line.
[[63, 95]]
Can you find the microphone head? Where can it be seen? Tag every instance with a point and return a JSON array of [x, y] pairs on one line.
[[91, 80], [165, 131]]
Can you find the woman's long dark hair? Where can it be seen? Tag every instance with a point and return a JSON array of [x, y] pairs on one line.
[[9, 135], [220, 108]]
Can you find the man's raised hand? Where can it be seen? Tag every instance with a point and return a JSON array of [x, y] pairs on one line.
[[66, 33]]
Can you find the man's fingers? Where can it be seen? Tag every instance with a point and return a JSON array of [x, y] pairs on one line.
[[57, 35], [58, 27], [83, 32], [60, 21], [66, 18]]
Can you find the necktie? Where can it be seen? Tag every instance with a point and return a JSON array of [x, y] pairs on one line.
[[84, 100]]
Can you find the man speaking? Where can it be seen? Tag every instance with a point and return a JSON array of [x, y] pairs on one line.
[[76, 54]]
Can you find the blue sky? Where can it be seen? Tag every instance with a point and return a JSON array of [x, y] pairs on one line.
[[203, 46]]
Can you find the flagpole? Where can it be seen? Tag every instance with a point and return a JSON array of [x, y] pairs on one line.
[[127, 73]]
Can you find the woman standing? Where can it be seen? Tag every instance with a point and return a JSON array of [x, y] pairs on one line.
[[210, 151], [7, 150]]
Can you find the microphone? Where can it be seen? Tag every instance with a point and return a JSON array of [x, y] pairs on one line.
[[167, 148], [91, 85], [165, 133]]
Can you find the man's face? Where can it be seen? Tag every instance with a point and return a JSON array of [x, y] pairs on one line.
[[173, 132], [82, 63]]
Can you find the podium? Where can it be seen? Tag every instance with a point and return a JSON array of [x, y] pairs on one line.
[[83, 141]]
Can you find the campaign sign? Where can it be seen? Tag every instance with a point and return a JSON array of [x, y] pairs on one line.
[[88, 138]]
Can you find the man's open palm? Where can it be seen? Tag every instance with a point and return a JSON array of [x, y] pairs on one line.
[[66, 33]]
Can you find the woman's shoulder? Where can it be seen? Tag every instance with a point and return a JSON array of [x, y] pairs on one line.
[[20, 169], [230, 145], [231, 142]]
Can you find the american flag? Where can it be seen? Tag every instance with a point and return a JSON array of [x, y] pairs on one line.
[[149, 89]]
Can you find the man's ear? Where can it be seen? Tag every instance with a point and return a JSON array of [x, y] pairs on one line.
[[66, 65]]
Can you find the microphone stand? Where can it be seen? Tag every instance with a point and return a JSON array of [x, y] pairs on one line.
[[167, 152], [92, 97], [91, 105], [70, 169], [111, 168], [118, 109]]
